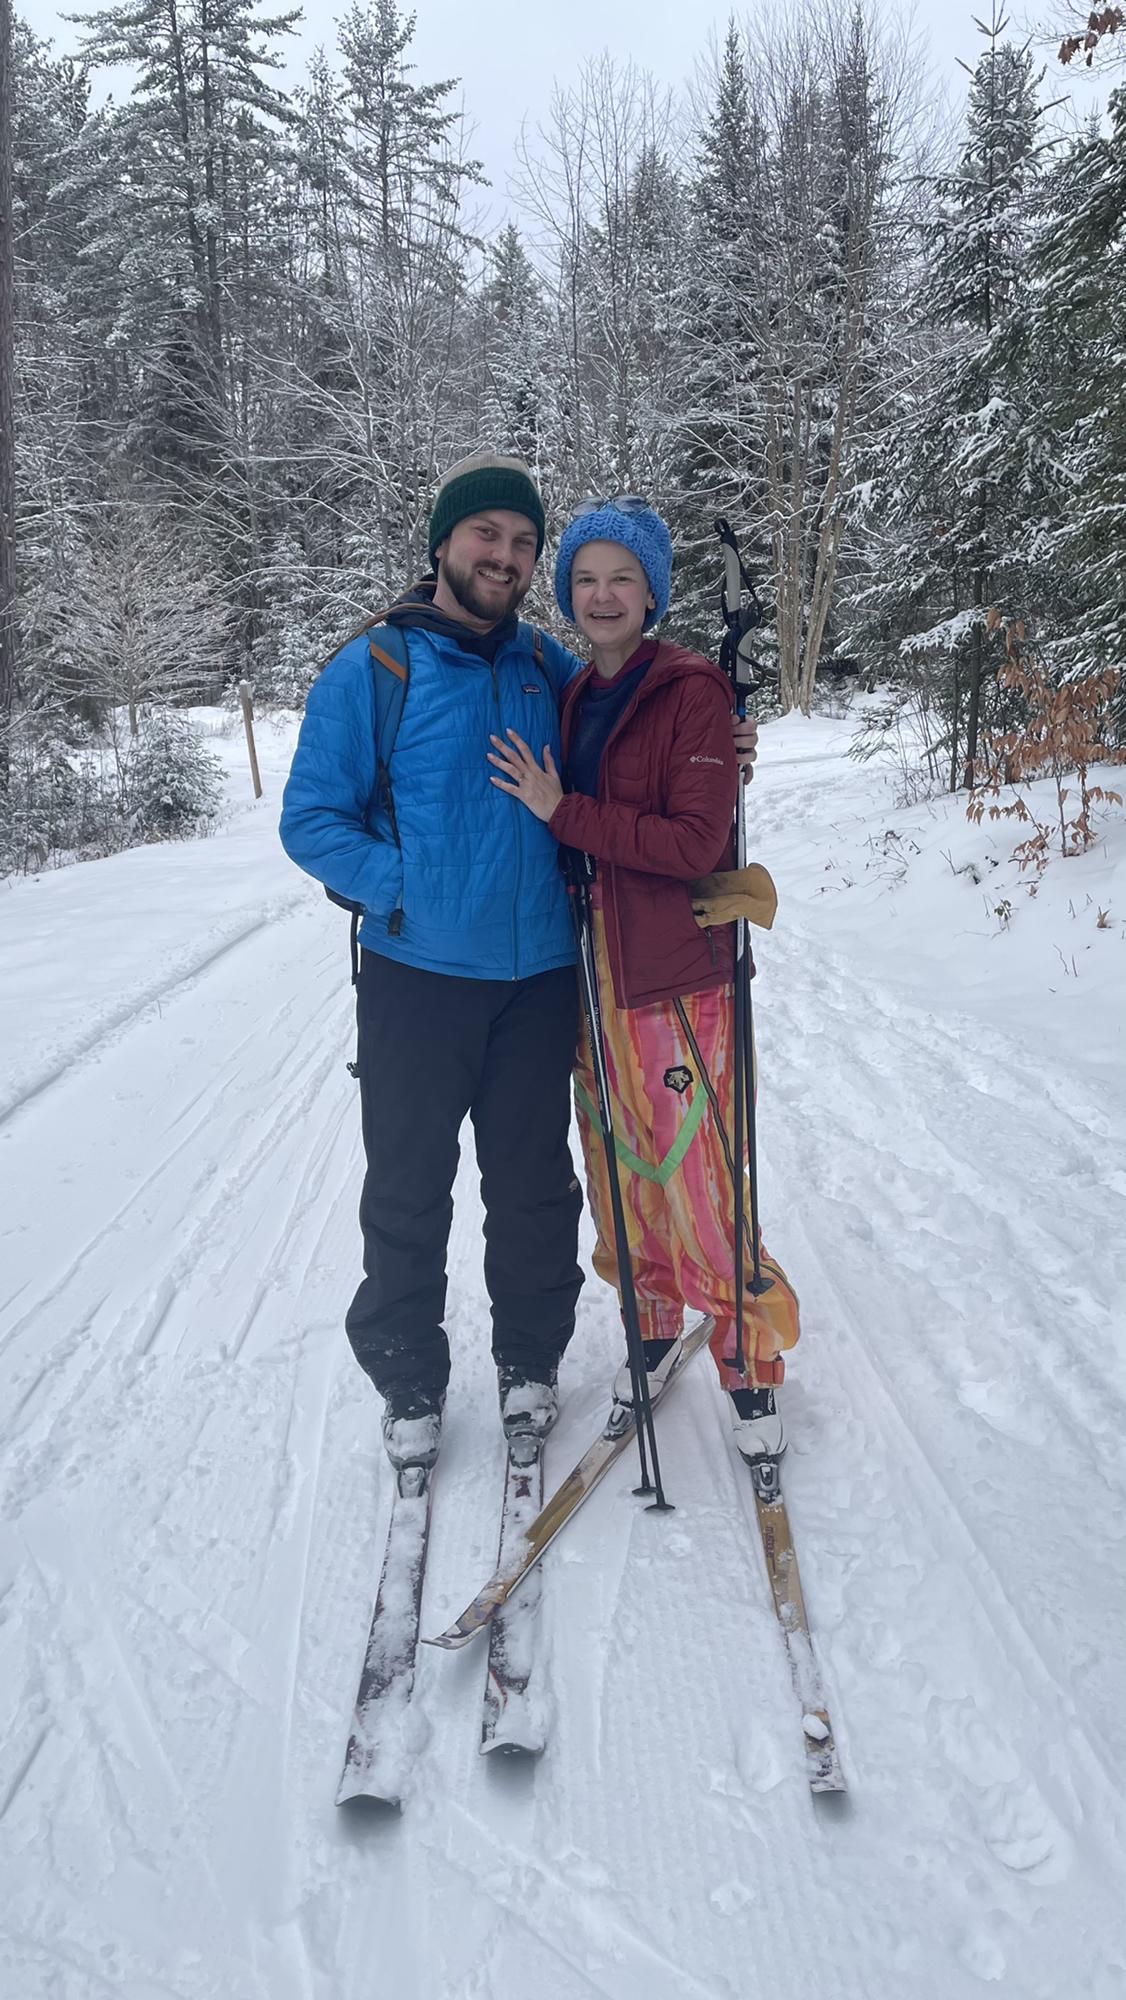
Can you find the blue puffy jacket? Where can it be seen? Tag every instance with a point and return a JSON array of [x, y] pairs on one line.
[[476, 875]]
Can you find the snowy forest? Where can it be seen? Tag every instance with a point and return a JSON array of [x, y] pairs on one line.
[[252, 324], [861, 1741]]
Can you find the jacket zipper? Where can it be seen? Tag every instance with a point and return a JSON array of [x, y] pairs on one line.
[[610, 913], [519, 824], [610, 900]]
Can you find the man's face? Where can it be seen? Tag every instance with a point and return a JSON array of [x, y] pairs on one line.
[[486, 563]]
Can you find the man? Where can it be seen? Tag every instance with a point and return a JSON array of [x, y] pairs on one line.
[[467, 1001]]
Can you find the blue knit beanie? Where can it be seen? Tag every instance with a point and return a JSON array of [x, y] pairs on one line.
[[641, 531]]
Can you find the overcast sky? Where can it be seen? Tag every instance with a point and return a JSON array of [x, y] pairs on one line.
[[509, 53]]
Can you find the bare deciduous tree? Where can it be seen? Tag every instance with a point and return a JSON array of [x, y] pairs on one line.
[[607, 217]]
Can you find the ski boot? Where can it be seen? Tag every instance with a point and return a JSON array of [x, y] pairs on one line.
[[660, 1359], [412, 1433], [759, 1438], [528, 1409]]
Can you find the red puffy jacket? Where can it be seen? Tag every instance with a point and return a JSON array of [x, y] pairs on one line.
[[667, 787]]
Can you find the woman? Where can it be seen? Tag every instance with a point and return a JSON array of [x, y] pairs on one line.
[[649, 788]]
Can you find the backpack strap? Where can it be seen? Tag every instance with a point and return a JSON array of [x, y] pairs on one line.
[[391, 673], [389, 658], [533, 633]]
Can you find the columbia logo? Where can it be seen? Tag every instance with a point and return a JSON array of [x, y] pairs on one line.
[[707, 760]]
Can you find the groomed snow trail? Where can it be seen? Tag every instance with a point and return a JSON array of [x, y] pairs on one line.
[[194, 1498]]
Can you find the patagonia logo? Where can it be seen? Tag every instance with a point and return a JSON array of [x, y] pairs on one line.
[[678, 1078], [532, 687], [707, 760]]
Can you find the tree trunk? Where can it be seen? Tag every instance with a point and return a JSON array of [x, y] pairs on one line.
[[183, 112], [211, 242], [7, 400], [977, 671], [831, 525]]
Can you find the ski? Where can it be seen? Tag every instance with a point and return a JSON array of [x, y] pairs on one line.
[[380, 1750], [512, 1720], [591, 1468], [821, 1762]]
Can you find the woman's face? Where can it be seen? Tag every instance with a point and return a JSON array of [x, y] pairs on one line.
[[610, 595]]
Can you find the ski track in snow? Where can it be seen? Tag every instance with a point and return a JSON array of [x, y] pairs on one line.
[[194, 1500]]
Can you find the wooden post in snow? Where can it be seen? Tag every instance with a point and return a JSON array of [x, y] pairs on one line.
[[248, 725]]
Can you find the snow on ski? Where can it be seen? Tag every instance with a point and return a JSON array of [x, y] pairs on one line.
[[591, 1468], [512, 1719], [382, 1744], [821, 1762]]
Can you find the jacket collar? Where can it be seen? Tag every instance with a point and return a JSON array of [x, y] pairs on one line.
[[417, 610], [640, 657], [670, 663]]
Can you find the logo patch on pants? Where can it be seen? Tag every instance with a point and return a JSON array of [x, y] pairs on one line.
[[678, 1078]]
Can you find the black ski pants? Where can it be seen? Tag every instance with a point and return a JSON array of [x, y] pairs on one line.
[[433, 1049]]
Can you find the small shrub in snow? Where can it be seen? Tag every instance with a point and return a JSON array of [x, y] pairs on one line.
[[1061, 733], [45, 800], [171, 784], [903, 724], [71, 796], [282, 678]]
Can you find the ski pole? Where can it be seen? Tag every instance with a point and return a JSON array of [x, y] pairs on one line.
[[584, 938], [742, 614]]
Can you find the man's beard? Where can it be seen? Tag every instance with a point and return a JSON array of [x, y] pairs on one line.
[[463, 584]]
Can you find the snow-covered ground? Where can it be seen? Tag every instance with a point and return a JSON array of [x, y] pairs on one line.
[[194, 1497]]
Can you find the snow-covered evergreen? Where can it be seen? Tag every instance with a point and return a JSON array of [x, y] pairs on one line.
[[257, 322]]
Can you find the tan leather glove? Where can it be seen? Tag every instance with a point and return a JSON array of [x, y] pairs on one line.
[[738, 892]]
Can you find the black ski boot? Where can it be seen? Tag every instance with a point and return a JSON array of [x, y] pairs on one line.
[[412, 1429], [529, 1404]]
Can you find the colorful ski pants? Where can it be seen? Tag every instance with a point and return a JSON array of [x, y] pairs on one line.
[[675, 1174]]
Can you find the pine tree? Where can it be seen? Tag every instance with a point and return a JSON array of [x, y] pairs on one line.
[[7, 398], [407, 249], [157, 172], [513, 355], [62, 377], [1080, 265], [974, 461], [719, 428], [794, 236]]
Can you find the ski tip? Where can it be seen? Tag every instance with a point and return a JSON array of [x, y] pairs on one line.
[[376, 1774], [451, 1640], [513, 1727], [519, 1749], [822, 1764], [825, 1775], [829, 1784], [358, 1803], [360, 1806], [476, 1616]]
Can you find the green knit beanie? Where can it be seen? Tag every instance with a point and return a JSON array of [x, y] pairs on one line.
[[483, 481]]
